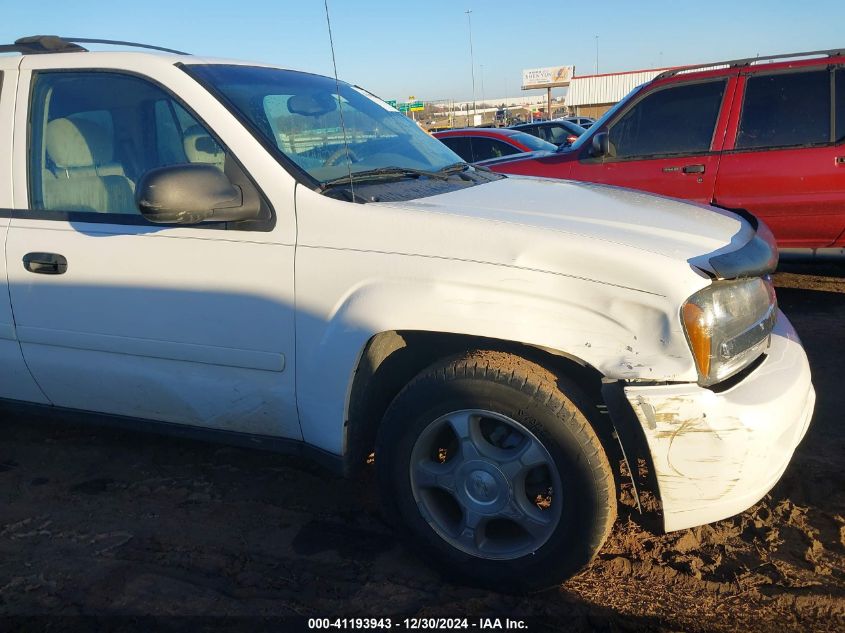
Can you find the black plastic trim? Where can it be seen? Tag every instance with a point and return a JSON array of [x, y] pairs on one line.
[[738, 377], [40, 44], [92, 217], [830, 253], [88, 40], [629, 431], [758, 257]]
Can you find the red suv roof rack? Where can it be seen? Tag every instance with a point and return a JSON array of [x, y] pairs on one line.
[[734, 63]]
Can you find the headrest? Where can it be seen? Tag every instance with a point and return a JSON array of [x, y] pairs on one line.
[[312, 104], [200, 147], [78, 143]]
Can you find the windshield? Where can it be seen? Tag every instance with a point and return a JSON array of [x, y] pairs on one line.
[[597, 126], [302, 117]]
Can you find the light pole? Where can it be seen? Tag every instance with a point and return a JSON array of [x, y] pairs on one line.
[[597, 54], [471, 59]]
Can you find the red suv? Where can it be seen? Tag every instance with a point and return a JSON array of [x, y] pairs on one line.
[[768, 138]]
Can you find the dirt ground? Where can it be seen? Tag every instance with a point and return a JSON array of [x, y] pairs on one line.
[[99, 522]]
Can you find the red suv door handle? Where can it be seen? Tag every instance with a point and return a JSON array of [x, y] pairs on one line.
[[693, 169]]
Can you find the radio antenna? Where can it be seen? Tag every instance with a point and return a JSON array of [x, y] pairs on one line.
[[339, 101]]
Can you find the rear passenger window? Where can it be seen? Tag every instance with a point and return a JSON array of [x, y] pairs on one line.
[[785, 110], [840, 105], [487, 148], [95, 134], [547, 134], [677, 120], [557, 135], [460, 145]]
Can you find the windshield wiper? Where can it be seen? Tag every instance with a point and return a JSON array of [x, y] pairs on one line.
[[383, 173], [453, 168]]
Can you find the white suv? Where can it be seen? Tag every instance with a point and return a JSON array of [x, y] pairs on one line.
[[277, 259]]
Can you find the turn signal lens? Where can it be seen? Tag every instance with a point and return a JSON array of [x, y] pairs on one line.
[[699, 336]]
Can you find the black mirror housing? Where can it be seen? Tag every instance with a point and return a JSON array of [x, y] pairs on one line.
[[601, 145], [191, 193]]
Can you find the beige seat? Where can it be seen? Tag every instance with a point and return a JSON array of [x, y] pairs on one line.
[[85, 177], [201, 148]]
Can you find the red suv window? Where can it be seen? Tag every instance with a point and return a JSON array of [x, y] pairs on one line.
[[676, 120], [786, 110]]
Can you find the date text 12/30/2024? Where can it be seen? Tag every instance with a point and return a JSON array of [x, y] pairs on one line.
[[417, 624]]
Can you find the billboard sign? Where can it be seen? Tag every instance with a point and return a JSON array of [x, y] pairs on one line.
[[550, 77]]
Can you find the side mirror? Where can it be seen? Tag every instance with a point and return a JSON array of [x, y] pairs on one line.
[[189, 194], [601, 145]]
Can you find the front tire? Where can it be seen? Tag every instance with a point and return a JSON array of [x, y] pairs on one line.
[[489, 466]]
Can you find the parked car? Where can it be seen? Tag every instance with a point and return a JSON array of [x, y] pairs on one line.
[[208, 247], [485, 146], [764, 135], [581, 121], [558, 133]]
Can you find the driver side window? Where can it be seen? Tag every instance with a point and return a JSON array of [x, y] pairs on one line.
[[677, 120], [95, 134]]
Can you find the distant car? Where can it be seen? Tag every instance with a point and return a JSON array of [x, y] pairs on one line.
[[559, 133], [583, 121], [486, 145]]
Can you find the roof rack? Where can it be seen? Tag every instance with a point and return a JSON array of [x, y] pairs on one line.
[[735, 63], [38, 44]]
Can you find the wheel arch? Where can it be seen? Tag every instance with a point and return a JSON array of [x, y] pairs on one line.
[[392, 358]]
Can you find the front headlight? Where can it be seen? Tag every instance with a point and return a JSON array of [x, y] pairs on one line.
[[728, 324]]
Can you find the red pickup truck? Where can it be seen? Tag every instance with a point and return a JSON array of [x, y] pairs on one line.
[[764, 135]]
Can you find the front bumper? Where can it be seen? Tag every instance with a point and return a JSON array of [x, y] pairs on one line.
[[716, 454]]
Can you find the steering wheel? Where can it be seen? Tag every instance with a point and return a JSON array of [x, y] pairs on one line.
[[339, 153]]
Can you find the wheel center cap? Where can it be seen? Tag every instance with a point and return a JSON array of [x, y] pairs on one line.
[[481, 486]]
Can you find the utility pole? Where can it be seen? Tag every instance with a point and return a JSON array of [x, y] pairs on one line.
[[471, 60], [597, 54]]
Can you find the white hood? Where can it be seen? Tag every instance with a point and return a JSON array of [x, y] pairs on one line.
[[665, 226], [585, 231]]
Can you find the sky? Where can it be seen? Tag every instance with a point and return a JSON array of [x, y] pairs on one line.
[[397, 49]]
